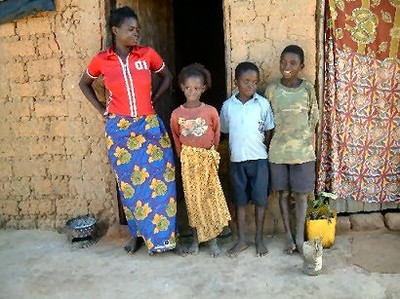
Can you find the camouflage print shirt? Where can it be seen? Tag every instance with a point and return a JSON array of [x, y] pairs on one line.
[[296, 116]]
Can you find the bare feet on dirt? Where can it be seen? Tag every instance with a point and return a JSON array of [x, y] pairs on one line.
[[214, 248], [261, 249], [237, 249], [290, 248], [193, 249]]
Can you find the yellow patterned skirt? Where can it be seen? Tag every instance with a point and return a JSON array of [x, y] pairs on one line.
[[205, 201]]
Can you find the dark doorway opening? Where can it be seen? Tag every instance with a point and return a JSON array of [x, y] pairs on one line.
[[199, 37]]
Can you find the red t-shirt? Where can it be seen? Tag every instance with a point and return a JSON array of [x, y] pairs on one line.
[[129, 81]]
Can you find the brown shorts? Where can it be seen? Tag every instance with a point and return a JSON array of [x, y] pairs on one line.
[[293, 177]]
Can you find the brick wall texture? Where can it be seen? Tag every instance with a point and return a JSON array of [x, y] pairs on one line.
[[53, 162], [258, 31]]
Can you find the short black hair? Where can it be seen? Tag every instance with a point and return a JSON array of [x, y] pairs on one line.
[[195, 70], [118, 16], [295, 50], [244, 67]]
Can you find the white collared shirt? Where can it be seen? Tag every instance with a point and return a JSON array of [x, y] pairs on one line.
[[246, 125]]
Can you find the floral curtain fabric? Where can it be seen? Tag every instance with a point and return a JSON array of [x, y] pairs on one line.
[[360, 149]]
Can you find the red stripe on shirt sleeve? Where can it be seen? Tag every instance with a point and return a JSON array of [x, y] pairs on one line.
[[156, 62], [161, 68]]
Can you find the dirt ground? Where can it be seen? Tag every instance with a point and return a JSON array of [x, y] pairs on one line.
[[43, 264]]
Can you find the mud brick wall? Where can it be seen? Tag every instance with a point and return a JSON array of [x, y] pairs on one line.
[[258, 31], [53, 163]]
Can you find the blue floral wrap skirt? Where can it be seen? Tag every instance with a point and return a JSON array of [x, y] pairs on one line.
[[141, 155]]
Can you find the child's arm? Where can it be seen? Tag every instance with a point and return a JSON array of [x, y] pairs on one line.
[[269, 124], [224, 120], [314, 113], [176, 133], [216, 128], [268, 136], [224, 123]]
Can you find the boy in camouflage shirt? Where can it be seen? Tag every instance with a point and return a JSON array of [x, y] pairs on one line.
[[292, 154]]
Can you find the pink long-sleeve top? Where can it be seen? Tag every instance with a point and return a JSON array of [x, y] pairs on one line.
[[196, 127]]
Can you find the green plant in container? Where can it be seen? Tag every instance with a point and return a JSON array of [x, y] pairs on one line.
[[320, 208], [321, 219]]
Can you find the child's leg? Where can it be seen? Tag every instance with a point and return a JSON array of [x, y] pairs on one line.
[[258, 174], [214, 248], [241, 227], [301, 210], [261, 249], [284, 206], [194, 247], [302, 181]]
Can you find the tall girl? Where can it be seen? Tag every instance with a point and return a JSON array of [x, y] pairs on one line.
[[138, 145], [292, 154], [196, 132]]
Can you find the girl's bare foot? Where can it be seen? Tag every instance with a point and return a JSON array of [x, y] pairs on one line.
[[214, 248], [193, 249], [180, 250]]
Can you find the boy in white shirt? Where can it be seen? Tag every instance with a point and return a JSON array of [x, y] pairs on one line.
[[247, 118]]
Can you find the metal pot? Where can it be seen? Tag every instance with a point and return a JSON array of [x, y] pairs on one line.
[[82, 227]]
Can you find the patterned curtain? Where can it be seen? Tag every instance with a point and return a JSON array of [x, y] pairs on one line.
[[360, 149]]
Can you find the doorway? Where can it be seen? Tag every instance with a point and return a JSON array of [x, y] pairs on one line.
[[199, 37]]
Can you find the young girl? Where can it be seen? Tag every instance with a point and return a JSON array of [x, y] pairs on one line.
[[196, 131], [292, 154]]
